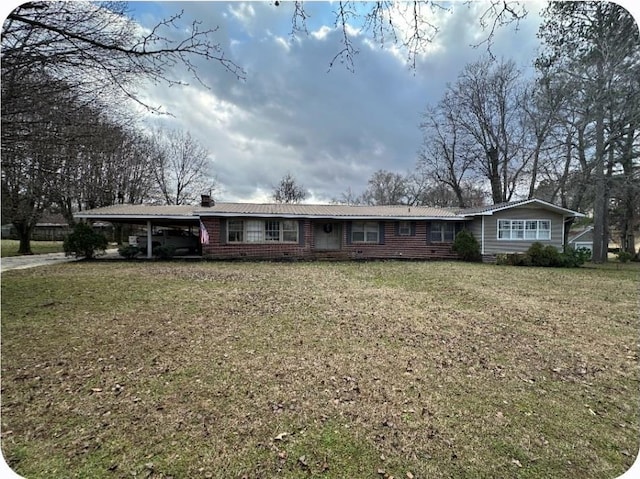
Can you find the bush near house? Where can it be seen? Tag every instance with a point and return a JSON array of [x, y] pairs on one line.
[[467, 246], [84, 241], [546, 256], [129, 251]]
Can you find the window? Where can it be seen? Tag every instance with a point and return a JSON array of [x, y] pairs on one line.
[[254, 231], [235, 231], [404, 228], [442, 232], [272, 231], [365, 232], [261, 231], [524, 230], [290, 231]]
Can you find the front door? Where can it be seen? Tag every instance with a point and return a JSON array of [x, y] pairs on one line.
[[328, 236]]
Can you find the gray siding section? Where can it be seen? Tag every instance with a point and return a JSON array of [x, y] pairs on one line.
[[492, 245]]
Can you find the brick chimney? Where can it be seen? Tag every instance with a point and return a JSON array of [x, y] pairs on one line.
[[206, 201]]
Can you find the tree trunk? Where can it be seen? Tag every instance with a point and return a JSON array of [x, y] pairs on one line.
[[24, 235], [494, 179]]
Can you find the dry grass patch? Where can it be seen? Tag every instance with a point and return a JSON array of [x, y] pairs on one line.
[[321, 369]]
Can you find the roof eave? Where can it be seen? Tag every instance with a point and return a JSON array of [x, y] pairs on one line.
[[326, 217]]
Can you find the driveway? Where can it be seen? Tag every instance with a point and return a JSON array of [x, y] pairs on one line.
[[31, 261]]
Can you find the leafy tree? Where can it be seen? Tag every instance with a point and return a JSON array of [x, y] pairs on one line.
[[84, 241], [289, 191]]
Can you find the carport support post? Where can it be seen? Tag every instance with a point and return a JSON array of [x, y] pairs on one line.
[[149, 237]]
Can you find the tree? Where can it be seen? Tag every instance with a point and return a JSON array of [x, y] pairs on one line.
[[405, 25], [63, 58], [289, 191], [596, 46], [181, 166], [446, 154], [98, 49], [386, 188], [480, 130]]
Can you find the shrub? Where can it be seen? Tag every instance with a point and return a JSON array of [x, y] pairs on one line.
[[466, 246], [164, 252], [541, 255], [572, 258], [624, 256], [84, 242], [129, 251]]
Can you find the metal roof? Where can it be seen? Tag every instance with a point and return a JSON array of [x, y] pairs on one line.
[[267, 210], [282, 210]]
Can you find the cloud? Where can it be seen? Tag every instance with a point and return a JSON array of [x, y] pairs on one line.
[[331, 129]]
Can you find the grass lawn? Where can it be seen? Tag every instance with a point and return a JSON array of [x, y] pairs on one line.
[[345, 370], [10, 247]]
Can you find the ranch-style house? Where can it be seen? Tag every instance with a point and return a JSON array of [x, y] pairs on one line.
[[308, 231]]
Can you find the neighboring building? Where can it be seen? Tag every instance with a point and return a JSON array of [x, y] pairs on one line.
[[50, 227], [582, 239], [303, 231]]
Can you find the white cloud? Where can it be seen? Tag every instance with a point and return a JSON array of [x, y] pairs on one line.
[[330, 129]]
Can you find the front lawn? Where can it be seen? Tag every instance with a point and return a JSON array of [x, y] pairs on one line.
[[354, 370], [10, 247]]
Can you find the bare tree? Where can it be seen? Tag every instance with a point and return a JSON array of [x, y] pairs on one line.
[[289, 191], [99, 50], [182, 167], [446, 155], [406, 25], [386, 188], [488, 97]]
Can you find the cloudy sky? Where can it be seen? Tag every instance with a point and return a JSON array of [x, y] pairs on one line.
[[331, 128]]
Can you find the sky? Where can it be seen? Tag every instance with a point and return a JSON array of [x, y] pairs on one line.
[[329, 127]]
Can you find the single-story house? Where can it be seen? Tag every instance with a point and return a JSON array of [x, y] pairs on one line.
[[306, 231]]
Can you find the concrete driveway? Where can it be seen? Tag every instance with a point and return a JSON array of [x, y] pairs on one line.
[[31, 261]]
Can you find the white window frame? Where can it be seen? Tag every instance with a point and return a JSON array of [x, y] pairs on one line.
[[263, 231], [370, 232], [523, 230]]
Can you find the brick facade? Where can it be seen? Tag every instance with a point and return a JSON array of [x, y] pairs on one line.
[[390, 246]]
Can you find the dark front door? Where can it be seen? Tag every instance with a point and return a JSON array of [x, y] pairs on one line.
[[328, 236]]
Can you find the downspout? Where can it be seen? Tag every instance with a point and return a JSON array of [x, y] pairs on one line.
[[149, 242]]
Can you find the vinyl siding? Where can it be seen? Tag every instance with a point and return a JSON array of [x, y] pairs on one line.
[[492, 245]]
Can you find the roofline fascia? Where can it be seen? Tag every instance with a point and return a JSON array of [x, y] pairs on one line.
[[330, 217], [135, 217], [551, 206], [588, 230]]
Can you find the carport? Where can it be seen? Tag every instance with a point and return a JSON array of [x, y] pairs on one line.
[[145, 215]]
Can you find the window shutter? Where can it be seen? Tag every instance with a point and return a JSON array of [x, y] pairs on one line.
[[348, 232], [223, 231], [301, 232], [413, 228], [428, 224], [381, 232], [397, 228]]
